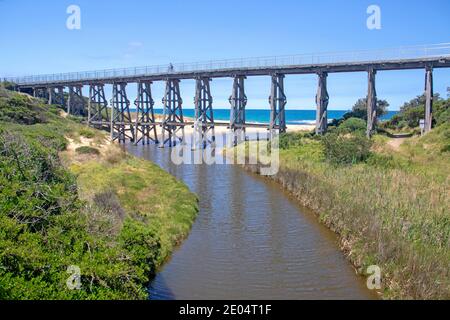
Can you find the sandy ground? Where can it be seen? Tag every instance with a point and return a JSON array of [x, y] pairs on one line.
[[104, 146], [396, 143], [300, 127], [224, 129]]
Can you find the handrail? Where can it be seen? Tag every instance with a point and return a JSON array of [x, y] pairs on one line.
[[411, 52]]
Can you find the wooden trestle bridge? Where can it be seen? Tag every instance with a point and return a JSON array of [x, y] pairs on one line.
[[142, 128]]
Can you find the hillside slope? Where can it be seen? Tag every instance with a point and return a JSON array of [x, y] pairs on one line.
[[94, 210]]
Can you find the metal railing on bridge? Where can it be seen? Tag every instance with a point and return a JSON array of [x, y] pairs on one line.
[[412, 52]]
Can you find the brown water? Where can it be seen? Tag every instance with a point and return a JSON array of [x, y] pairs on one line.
[[250, 241]]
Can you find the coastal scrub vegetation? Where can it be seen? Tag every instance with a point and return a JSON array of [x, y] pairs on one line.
[[411, 112], [388, 199], [88, 150], [359, 110], [112, 219], [346, 149]]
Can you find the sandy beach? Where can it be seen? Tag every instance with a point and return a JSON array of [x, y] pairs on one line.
[[221, 127]]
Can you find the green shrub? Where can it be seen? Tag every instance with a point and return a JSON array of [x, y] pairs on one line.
[[346, 149], [387, 161], [359, 110], [87, 150], [87, 133], [77, 119], [143, 244], [445, 148], [353, 124], [44, 228], [442, 115], [412, 112], [18, 110], [288, 140], [7, 85]]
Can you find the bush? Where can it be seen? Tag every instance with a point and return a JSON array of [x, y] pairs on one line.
[[87, 133], [19, 109], [44, 228], [115, 156], [87, 150], [346, 149], [289, 140], [142, 244], [412, 112], [77, 119], [409, 118], [359, 110], [8, 85], [353, 124], [387, 161], [34, 184], [108, 203], [445, 148], [442, 113]]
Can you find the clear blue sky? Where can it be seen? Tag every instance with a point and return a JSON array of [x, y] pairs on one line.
[[34, 40]]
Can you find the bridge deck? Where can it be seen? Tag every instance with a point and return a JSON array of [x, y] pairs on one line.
[[437, 62], [51, 87], [417, 57]]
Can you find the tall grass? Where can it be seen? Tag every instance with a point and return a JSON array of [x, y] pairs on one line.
[[396, 217]]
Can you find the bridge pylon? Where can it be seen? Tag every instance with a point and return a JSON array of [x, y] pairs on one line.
[[371, 103], [121, 122], [40, 93], [145, 127], [172, 126], [428, 98], [76, 103], [238, 101], [204, 132], [56, 96], [98, 113], [322, 100], [278, 103]]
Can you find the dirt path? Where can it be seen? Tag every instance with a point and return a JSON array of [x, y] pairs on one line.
[[395, 143]]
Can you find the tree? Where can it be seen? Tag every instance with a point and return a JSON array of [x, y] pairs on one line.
[[414, 110], [353, 124], [418, 101], [359, 110], [346, 149], [8, 85]]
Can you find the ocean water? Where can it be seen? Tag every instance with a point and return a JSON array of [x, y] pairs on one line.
[[263, 116]]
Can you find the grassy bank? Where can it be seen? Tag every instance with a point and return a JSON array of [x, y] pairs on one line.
[[388, 202], [144, 190], [70, 198]]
